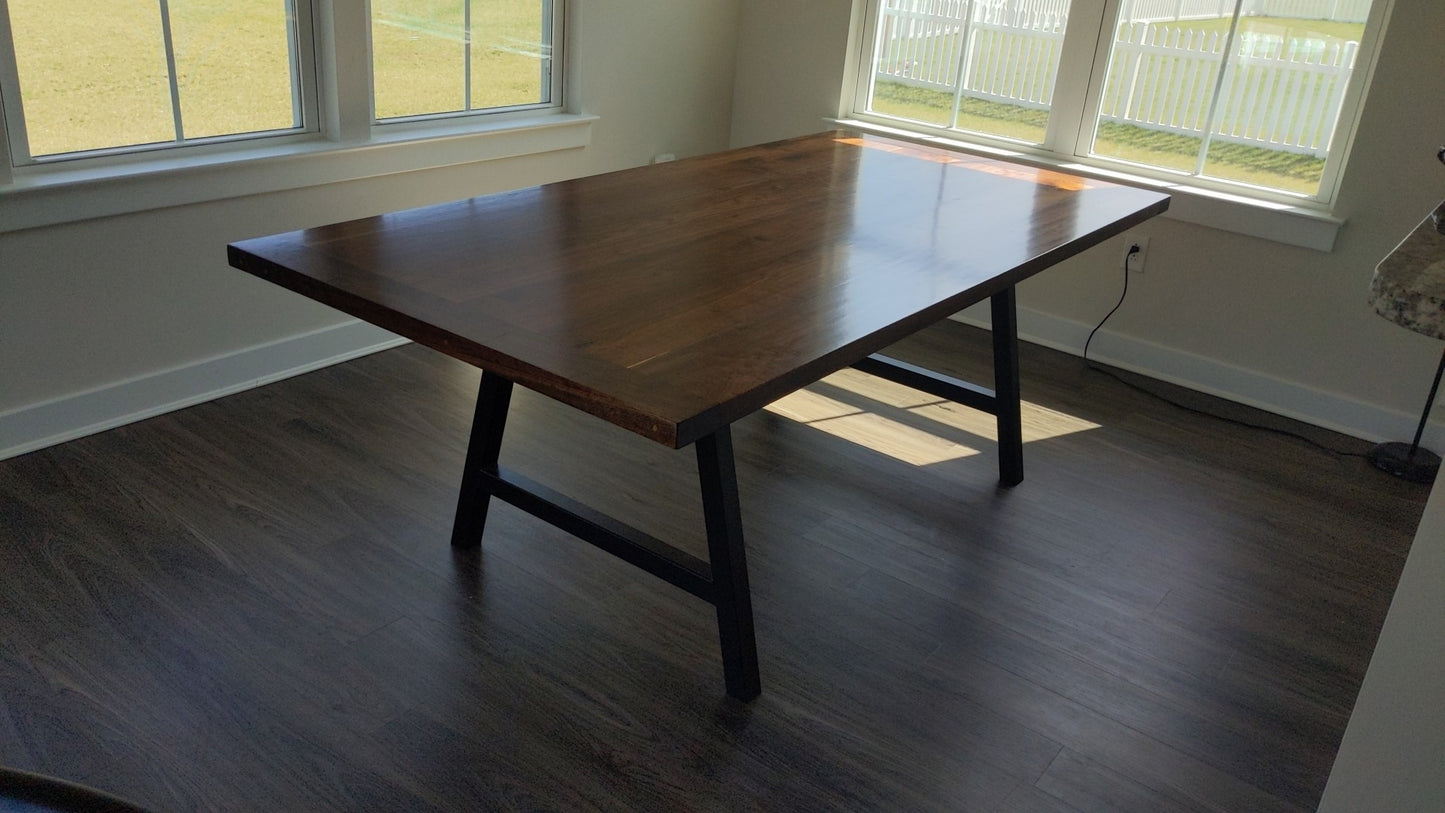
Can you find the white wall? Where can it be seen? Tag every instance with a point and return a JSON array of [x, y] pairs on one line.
[[790, 66], [114, 313], [1392, 758], [1283, 327]]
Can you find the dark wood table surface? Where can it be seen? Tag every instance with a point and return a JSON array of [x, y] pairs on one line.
[[677, 298], [673, 300]]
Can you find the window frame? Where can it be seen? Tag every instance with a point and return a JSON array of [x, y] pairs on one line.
[[341, 138], [1078, 92]]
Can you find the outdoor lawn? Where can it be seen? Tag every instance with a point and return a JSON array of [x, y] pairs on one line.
[[418, 52], [94, 75]]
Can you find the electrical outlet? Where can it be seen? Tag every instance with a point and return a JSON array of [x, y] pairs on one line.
[[1136, 253]]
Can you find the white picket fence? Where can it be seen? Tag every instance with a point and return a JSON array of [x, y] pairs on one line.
[[1153, 11], [1276, 94], [1012, 47]]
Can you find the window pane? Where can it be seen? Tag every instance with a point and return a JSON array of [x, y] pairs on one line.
[[91, 79], [233, 60], [985, 67], [448, 56], [511, 53], [95, 75], [419, 56], [1255, 101]]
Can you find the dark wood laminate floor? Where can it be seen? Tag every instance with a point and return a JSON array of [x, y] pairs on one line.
[[251, 605]]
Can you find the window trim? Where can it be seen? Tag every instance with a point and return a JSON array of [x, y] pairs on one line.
[[304, 102], [1283, 217], [72, 194], [344, 141], [1310, 227]]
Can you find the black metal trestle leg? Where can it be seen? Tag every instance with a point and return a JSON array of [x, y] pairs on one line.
[[493, 398], [723, 518], [1006, 388], [722, 580]]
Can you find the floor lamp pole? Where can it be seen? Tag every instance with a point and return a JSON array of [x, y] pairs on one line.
[[1429, 403]]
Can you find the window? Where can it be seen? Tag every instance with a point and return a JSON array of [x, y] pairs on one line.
[[1249, 96], [460, 56], [81, 79], [128, 73]]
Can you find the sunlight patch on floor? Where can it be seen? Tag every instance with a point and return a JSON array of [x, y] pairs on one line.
[[890, 419], [869, 429]]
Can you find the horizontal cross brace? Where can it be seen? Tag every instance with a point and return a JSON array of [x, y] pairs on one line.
[[942, 386], [633, 546]]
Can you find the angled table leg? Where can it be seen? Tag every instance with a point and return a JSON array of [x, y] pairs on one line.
[[722, 581], [728, 562], [1003, 401], [493, 398], [1007, 404]]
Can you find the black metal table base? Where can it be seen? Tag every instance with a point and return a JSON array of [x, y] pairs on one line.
[[723, 579], [1003, 401]]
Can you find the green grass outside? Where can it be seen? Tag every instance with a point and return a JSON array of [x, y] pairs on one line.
[[1274, 169], [94, 76], [974, 115], [419, 45]]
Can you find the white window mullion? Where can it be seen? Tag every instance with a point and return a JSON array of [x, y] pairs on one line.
[[7, 174], [868, 55], [173, 82], [1229, 65], [343, 41], [551, 76], [1343, 140], [298, 73], [1081, 75], [13, 147], [960, 75], [305, 70], [466, 54]]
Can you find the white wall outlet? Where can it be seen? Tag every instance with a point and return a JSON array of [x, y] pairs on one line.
[[1136, 253]]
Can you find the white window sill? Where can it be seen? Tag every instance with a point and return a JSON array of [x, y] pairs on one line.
[[1294, 225], [65, 193]]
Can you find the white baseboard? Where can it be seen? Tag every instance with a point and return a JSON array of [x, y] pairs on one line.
[[50, 422], [45, 424], [1331, 411]]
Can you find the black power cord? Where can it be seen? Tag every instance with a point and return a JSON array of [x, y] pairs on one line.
[[1185, 407], [1133, 249]]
